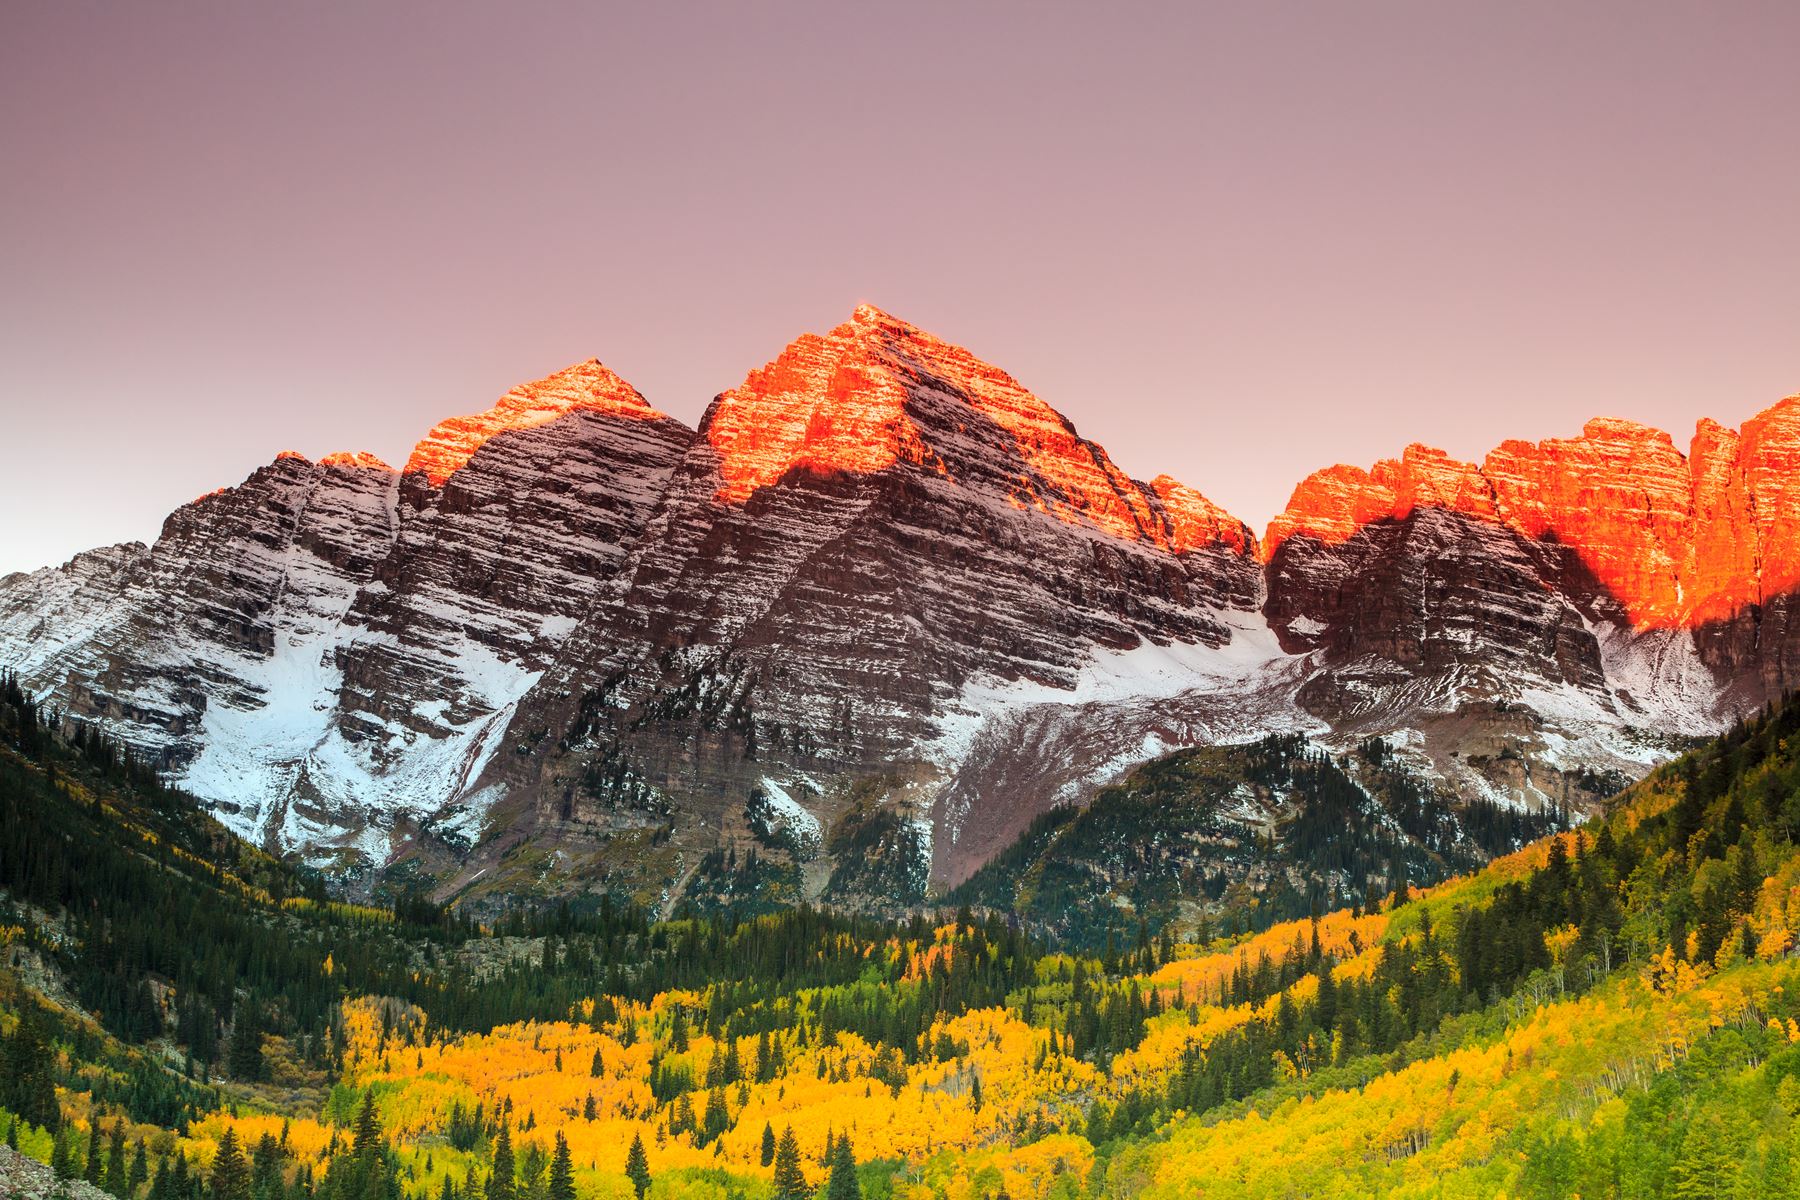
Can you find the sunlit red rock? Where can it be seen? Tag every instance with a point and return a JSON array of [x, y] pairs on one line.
[[884, 568], [872, 393], [1332, 504], [1194, 521], [585, 386], [360, 459], [1675, 539]]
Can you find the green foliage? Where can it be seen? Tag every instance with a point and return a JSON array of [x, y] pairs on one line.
[[637, 1166], [790, 1179]]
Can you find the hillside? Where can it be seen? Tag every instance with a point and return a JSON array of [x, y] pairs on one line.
[[1611, 1011], [1237, 838]]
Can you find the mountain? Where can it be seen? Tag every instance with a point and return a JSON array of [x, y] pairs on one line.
[[1563, 607], [882, 610], [873, 551]]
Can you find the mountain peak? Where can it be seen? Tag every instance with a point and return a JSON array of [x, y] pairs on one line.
[[868, 316], [587, 386], [876, 393], [359, 459]]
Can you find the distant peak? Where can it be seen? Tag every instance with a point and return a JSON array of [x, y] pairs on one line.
[[360, 459], [587, 386]]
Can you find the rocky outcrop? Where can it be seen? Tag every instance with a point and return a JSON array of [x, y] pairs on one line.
[[1665, 540]]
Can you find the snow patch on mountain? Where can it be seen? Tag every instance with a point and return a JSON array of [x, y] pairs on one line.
[[793, 814], [1248, 658]]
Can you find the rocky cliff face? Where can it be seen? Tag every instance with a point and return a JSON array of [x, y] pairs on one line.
[[329, 652], [1563, 607], [870, 535], [573, 641]]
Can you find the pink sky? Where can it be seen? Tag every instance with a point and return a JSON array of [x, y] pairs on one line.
[[1234, 242]]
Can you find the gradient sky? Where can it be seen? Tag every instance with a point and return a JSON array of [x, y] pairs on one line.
[[1234, 242]]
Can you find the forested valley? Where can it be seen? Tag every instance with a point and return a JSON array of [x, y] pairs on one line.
[[1609, 1011]]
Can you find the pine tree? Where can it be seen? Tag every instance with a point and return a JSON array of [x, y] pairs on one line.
[[790, 1180], [26, 1084], [562, 1172], [717, 1117], [500, 1179], [637, 1166], [244, 1057], [842, 1184], [368, 1126], [231, 1175], [140, 1170], [92, 1172], [61, 1163], [768, 1144], [596, 1067], [115, 1161], [265, 1169]]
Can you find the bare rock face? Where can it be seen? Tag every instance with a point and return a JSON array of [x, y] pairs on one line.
[[887, 597], [207, 646], [510, 524], [871, 530], [1618, 593], [329, 652]]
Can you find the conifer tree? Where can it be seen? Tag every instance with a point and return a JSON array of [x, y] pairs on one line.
[[562, 1172], [231, 1174], [842, 1184], [790, 1180], [265, 1169], [94, 1163], [26, 1086], [717, 1117], [61, 1163], [768, 1144], [500, 1179], [115, 1161], [637, 1166], [244, 1057], [368, 1126]]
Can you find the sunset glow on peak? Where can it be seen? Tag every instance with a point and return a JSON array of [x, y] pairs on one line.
[[587, 386], [361, 459], [1676, 539], [877, 392]]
